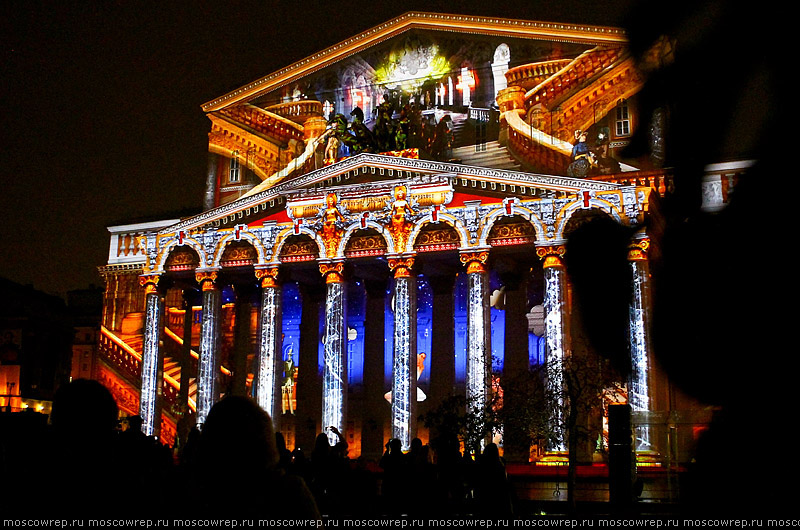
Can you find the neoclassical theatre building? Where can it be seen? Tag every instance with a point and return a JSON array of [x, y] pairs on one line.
[[384, 226]]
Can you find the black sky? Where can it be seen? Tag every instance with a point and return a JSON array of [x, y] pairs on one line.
[[101, 119]]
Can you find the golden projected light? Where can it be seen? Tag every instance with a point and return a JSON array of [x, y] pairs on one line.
[[411, 67]]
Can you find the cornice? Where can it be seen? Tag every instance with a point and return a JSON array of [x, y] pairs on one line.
[[504, 27]]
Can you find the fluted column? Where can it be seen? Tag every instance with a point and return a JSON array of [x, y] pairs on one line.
[[151, 355], [208, 369], [639, 395], [265, 384], [556, 338], [404, 361], [334, 373], [479, 348]]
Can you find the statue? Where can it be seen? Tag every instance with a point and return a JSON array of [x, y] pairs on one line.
[[331, 232], [365, 141], [586, 159], [399, 225], [383, 126], [287, 387]]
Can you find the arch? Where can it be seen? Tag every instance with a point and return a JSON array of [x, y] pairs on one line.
[[238, 253], [364, 224], [509, 208], [365, 244], [572, 209], [285, 249], [441, 217], [579, 217], [437, 236], [177, 241], [235, 235], [182, 258], [511, 230]]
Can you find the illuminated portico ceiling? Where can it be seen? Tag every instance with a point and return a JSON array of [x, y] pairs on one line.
[[558, 32]]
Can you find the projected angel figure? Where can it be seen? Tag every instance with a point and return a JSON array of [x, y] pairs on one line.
[[399, 225], [331, 232]]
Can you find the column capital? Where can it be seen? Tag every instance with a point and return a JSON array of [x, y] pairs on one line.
[[206, 278], [268, 276], [552, 255], [333, 272], [149, 282], [475, 260], [401, 266], [637, 250]]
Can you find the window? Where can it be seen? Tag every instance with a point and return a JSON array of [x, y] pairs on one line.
[[233, 175], [623, 121]]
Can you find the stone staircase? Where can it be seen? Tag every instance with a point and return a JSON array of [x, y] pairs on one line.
[[489, 154]]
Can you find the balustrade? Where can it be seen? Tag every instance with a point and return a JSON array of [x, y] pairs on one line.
[[297, 110], [530, 75], [120, 354]]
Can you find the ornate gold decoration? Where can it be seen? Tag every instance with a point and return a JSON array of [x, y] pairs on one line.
[[430, 240], [637, 251], [400, 227], [268, 277], [149, 282], [401, 266], [366, 204], [239, 254], [475, 260], [333, 272], [181, 260], [331, 233], [368, 245], [302, 250], [552, 255], [511, 234], [206, 279]]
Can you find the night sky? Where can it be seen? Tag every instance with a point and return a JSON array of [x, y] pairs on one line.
[[101, 117]]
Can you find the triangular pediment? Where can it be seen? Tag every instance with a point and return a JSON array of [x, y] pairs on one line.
[[375, 171], [557, 33]]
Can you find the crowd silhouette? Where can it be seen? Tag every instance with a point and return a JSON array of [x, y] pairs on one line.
[[83, 463]]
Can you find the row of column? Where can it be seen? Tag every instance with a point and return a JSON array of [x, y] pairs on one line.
[[334, 377]]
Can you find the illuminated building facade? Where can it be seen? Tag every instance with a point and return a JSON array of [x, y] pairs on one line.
[[385, 225]]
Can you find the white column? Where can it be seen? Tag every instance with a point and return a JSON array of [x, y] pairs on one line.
[[334, 374], [148, 399], [479, 346], [266, 378], [208, 368], [638, 386], [555, 332], [404, 391]]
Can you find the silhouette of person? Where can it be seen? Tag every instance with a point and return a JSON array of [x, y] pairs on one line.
[[84, 455], [238, 455]]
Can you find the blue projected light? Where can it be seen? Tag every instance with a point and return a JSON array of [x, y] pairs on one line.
[[497, 317], [356, 311], [460, 325], [292, 313], [424, 333]]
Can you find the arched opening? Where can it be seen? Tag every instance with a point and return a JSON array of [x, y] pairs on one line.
[[364, 243], [298, 247]]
